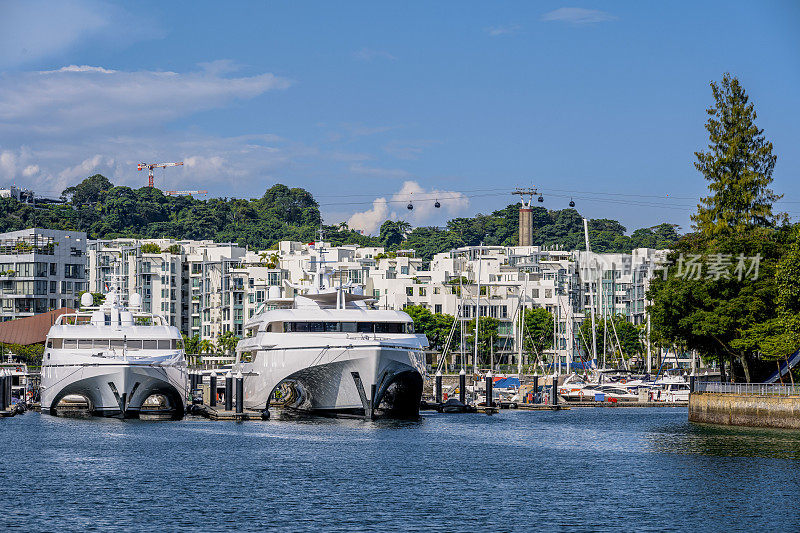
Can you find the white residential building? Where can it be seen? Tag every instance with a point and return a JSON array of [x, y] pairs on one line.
[[41, 270], [208, 288]]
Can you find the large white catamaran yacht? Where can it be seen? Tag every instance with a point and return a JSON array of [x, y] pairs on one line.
[[118, 360], [328, 351]]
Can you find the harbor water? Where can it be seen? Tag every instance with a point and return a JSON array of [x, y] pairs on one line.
[[584, 469]]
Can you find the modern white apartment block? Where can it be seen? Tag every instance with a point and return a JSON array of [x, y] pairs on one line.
[[208, 288], [203, 288], [41, 270]]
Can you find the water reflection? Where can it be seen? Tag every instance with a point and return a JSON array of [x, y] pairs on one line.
[[723, 441]]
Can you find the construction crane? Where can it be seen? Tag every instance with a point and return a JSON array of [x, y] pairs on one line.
[[185, 193], [151, 166]]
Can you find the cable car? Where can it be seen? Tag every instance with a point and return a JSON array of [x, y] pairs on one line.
[[541, 198], [437, 205], [571, 202], [410, 206]]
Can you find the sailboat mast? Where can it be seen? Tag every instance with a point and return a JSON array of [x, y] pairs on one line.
[[591, 290], [477, 309]]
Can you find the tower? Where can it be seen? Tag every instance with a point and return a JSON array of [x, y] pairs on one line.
[[526, 215]]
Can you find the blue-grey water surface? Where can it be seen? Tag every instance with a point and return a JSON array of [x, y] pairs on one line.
[[582, 469]]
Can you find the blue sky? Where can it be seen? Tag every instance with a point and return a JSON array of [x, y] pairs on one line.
[[368, 105]]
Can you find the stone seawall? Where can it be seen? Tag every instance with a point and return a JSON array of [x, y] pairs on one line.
[[745, 410]]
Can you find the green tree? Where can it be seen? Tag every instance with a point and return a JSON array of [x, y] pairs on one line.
[[227, 341], [538, 331], [738, 165], [150, 248], [488, 332], [726, 317], [191, 344], [206, 346], [435, 326]]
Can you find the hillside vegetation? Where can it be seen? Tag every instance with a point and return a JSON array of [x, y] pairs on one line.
[[106, 211]]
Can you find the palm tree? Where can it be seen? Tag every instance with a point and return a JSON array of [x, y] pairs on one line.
[[403, 227], [227, 341], [206, 346]]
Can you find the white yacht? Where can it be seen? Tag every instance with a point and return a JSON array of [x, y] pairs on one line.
[[332, 353], [115, 359]]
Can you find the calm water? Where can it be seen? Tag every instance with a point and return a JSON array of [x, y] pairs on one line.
[[584, 469]]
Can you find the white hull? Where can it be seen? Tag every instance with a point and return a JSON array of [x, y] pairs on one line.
[[116, 386], [326, 378]]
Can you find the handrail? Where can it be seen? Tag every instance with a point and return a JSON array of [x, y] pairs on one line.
[[754, 389]]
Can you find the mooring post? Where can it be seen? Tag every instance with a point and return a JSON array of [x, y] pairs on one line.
[[228, 391], [691, 383], [9, 388], [438, 385], [489, 391], [239, 393], [554, 398], [462, 386], [3, 405], [212, 401], [535, 389]]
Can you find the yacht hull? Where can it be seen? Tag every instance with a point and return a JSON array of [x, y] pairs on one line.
[[117, 388], [373, 379]]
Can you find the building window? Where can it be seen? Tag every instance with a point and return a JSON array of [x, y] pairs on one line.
[[437, 308], [409, 291], [437, 290], [404, 270], [503, 311], [422, 291]]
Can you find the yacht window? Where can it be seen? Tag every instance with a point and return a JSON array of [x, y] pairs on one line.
[[135, 344], [389, 327], [70, 343], [349, 327], [49, 344], [149, 344], [57, 343], [409, 327], [269, 329], [84, 343], [331, 326], [101, 343], [117, 343], [366, 327], [163, 344]]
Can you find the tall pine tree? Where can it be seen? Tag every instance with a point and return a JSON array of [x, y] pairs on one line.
[[738, 165]]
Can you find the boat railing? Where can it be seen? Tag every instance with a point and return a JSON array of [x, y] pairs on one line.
[[85, 319], [754, 389]]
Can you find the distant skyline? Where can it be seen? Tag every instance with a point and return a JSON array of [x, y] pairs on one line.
[[370, 106]]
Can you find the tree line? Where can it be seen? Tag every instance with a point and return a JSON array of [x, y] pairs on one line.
[[107, 211]]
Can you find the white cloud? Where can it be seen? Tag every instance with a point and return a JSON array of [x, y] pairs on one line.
[[452, 203], [80, 68], [31, 30], [369, 54], [577, 15], [30, 170], [496, 31], [370, 221], [73, 99]]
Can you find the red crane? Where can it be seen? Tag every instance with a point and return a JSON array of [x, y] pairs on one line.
[[151, 166]]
